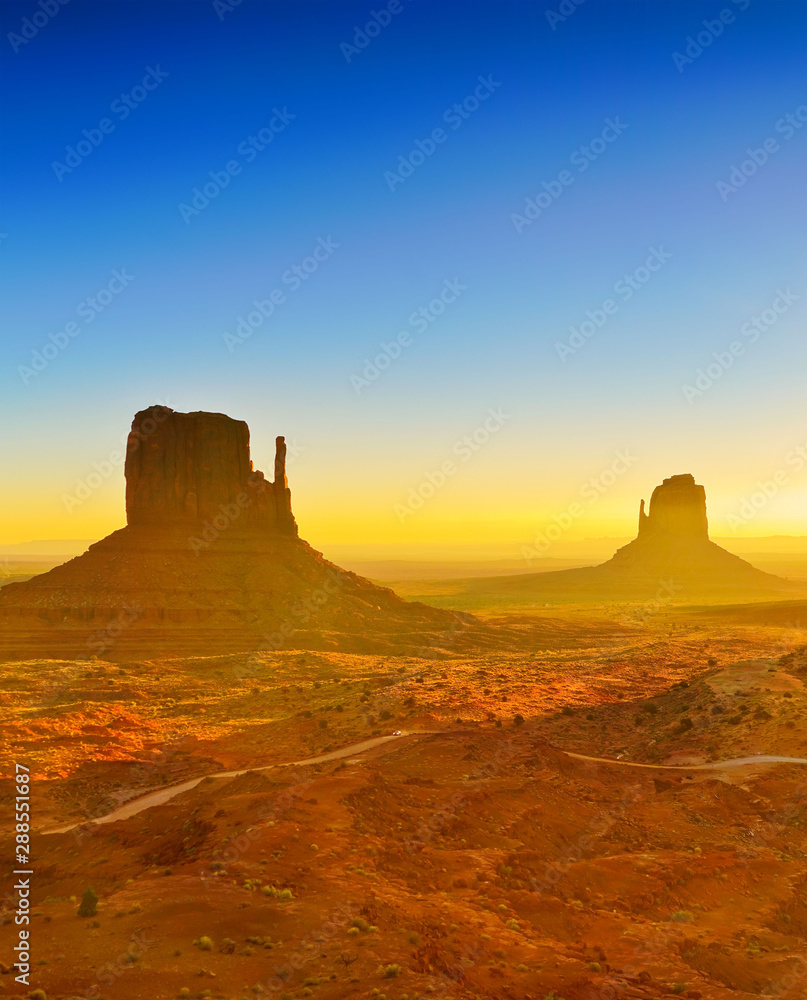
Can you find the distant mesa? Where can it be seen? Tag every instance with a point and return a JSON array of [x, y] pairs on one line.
[[671, 561], [209, 562], [673, 544]]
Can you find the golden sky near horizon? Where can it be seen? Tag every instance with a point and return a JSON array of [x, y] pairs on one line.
[[473, 491]]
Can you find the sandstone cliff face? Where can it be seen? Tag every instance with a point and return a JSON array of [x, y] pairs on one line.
[[677, 508], [210, 560], [194, 468]]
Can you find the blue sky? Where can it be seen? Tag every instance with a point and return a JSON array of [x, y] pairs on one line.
[[224, 74]]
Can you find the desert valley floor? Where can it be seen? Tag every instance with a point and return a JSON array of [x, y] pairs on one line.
[[472, 856]]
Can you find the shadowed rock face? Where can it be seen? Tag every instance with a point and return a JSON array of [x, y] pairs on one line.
[[209, 561], [677, 509], [194, 468]]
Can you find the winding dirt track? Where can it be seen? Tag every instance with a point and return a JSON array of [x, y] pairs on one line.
[[716, 765], [162, 795]]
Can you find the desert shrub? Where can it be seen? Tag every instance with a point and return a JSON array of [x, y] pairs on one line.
[[275, 893], [388, 971], [682, 917], [184, 992], [204, 943], [513, 925], [594, 967], [567, 710], [227, 946], [518, 720], [89, 903], [360, 924], [37, 995]]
